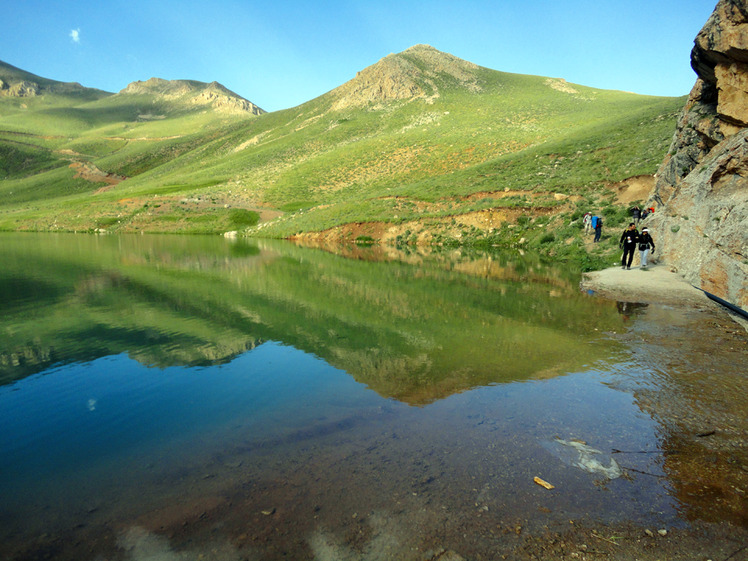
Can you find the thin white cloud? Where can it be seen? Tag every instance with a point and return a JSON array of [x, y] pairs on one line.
[[75, 35]]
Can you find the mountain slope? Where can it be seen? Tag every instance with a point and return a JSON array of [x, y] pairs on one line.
[[420, 136], [54, 134]]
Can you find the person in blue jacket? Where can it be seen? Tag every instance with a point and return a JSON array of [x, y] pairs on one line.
[[597, 224], [628, 241]]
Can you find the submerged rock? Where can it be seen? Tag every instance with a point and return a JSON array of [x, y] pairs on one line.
[[579, 455]]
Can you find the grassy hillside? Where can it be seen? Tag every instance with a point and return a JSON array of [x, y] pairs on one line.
[[421, 144]]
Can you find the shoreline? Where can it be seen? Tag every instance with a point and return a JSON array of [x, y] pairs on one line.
[[657, 284]]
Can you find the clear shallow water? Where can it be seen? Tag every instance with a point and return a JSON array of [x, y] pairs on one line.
[[271, 400]]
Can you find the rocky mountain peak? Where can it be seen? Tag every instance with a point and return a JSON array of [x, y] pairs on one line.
[[416, 73], [194, 93]]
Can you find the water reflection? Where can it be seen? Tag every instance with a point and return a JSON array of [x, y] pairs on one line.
[[693, 383], [411, 326], [270, 401], [628, 309]]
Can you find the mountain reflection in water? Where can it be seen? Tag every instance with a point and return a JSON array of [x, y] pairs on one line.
[[262, 400], [416, 331]]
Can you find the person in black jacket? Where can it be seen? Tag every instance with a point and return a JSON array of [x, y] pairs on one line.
[[645, 242], [628, 242]]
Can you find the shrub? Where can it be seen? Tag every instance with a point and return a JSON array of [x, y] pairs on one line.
[[523, 220], [243, 218], [547, 238], [105, 222]]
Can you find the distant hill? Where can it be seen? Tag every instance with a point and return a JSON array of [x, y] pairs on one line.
[[421, 147], [15, 82], [192, 92]]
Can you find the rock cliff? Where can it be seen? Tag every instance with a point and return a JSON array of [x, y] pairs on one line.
[[701, 191]]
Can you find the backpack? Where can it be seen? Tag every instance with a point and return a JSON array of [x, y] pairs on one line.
[[595, 220]]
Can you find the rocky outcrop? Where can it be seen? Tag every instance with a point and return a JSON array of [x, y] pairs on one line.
[[701, 191], [192, 92], [22, 88], [225, 100]]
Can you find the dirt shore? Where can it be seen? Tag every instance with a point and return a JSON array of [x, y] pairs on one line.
[[657, 284]]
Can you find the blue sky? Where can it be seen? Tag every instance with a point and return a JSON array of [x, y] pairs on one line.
[[279, 54]]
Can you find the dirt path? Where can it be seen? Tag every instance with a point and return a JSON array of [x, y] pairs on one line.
[[90, 172], [656, 284]]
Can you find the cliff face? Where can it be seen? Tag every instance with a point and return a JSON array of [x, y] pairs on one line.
[[701, 191]]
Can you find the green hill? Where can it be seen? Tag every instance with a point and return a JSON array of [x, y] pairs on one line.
[[421, 146]]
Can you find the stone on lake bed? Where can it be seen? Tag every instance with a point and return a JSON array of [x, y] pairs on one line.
[[580, 455]]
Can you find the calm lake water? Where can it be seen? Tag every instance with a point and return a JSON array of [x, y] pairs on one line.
[[167, 397]]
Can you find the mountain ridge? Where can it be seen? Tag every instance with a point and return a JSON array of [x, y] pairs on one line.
[[15, 82], [194, 92]]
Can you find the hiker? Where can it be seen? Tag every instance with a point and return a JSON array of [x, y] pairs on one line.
[[645, 213], [628, 242], [587, 221], [636, 214], [597, 224], [645, 242]]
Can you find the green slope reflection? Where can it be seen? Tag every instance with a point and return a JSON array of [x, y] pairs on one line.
[[412, 327]]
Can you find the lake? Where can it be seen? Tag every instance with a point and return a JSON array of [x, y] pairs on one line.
[[167, 397]]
